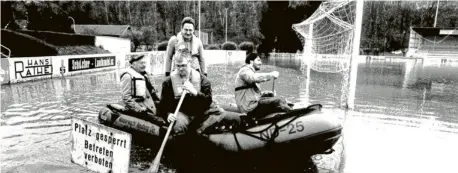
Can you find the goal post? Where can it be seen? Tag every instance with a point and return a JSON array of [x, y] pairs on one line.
[[331, 38], [355, 54]]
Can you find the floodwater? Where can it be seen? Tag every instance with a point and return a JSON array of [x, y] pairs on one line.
[[405, 116]]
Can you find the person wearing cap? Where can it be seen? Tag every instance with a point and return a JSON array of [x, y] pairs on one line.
[[138, 94], [197, 111], [248, 95], [186, 40]]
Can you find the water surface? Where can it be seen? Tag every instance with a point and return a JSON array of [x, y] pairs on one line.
[[404, 118]]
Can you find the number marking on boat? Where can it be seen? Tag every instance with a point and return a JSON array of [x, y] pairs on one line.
[[292, 128]]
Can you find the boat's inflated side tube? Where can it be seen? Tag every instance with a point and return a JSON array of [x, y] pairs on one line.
[[113, 115], [125, 121], [305, 127], [306, 124], [106, 116]]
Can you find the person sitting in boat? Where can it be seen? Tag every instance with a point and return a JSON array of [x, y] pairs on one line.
[[248, 95], [198, 111], [138, 93]]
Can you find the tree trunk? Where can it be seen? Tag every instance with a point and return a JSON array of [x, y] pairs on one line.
[[106, 11]]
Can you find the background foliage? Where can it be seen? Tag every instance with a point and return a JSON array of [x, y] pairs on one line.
[[267, 24]]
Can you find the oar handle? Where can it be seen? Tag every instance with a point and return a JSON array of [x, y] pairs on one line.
[[180, 102], [155, 167], [273, 87]]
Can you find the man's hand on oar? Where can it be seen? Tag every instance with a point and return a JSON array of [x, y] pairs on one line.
[[171, 118]]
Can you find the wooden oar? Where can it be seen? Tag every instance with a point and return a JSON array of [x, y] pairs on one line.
[[155, 164], [273, 88]]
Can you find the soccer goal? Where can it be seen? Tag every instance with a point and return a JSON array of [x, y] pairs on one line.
[[331, 37]]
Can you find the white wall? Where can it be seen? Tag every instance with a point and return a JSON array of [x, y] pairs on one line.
[[4, 71], [156, 59], [113, 44], [224, 56]]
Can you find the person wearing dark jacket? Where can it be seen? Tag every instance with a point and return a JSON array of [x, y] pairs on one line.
[[198, 111]]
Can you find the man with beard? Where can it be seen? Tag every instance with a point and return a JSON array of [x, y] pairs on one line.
[[248, 95]]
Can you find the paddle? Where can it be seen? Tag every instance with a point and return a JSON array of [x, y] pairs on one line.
[[155, 164], [273, 88]]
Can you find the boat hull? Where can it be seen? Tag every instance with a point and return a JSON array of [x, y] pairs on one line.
[[311, 131]]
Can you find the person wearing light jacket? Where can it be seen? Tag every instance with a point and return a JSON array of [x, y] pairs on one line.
[[186, 40], [248, 95], [138, 93]]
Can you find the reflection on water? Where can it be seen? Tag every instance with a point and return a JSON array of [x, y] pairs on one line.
[[403, 109], [404, 116]]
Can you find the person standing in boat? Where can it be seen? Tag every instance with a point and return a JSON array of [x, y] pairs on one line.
[[248, 95], [138, 93], [198, 111], [186, 40]]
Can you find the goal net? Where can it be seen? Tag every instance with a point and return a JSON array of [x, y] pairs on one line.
[[327, 36]]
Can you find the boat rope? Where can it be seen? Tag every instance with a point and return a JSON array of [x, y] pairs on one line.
[[273, 121], [270, 139], [237, 142]]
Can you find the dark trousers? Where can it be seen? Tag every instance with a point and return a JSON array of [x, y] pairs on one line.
[[213, 115], [268, 105]]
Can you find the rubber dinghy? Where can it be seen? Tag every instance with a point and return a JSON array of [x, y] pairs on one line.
[[307, 129]]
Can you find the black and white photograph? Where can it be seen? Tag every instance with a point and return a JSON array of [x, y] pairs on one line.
[[230, 86]]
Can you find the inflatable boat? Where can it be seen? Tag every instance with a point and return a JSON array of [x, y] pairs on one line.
[[307, 129]]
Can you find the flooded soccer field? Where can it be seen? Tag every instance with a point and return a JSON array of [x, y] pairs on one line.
[[405, 116]]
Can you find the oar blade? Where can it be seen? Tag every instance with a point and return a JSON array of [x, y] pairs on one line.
[[155, 167], [155, 164]]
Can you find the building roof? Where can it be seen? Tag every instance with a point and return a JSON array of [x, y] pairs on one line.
[[435, 31], [107, 30]]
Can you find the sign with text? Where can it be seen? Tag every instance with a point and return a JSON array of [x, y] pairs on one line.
[[100, 148], [448, 32], [32, 67], [76, 64]]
